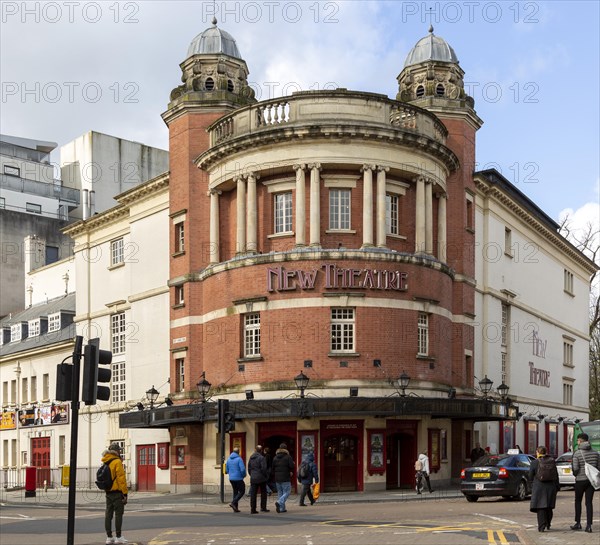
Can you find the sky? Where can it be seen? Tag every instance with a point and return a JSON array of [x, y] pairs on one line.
[[532, 67]]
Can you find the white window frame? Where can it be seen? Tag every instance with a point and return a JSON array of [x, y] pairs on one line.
[[25, 390], [392, 215], [343, 330], [54, 322], [118, 386], [568, 353], [180, 237], [180, 374], [118, 333], [33, 388], [423, 334], [33, 328], [45, 387], [33, 208], [179, 295], [505, 311], [282, 216], [252, 335], [16, 331], [508, 242], [117, 252], [340, 208], [568, 281], [567, 393]]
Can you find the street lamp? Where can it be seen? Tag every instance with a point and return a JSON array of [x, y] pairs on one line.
[[403, 382], [203, 387], [301, 381], [486, 385], [503, 390], [152, 395]]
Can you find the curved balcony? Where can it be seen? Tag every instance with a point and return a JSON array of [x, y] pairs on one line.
[[337, 108]]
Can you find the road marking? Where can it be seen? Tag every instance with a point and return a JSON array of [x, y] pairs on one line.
[[496, 518], [501, 537]]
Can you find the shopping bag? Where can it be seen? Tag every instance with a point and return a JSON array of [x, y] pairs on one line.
[[593, 475], [316, 488]]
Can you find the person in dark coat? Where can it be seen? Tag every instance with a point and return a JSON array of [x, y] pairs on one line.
[[583, 487], [477, 453], [271, 480], [307, 481], [257, 469], [282, 472], [543, 494], [236, 469]]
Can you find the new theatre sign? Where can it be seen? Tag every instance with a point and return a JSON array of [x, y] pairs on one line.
[[332, 277]]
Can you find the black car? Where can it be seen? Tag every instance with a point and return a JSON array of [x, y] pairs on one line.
[[503, 475]]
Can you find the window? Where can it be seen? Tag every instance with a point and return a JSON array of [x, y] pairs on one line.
[[439, 90], [420, 91], [180, 375], [51, 254], [5, 393], [391, 214], [116, 252], [504, 327], [567, 394], [531, 437], [13, 391], [342, 330], [5, 461], [2, 202], [568, 287], [552, 439], [24, 390], [34, 208], [503, 370], [568, 353], [470, 212], [12, 171], [121, 443], [179, 299], [283, 212], [508, 242], [209, 84], [251, 334], [117, 329], [15, 332], [179, 237], [339, 209], [61, 450], [54, 322], [34, 388], [34, 328], [117, 389], [45, 387], [423, 334]]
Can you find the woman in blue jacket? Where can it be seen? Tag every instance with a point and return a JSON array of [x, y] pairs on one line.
[[236, 469]]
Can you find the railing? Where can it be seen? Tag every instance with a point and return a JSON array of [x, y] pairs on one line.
[[320, 107], [43, 189]]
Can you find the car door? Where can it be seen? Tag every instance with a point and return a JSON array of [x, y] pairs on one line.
[[523, 465]]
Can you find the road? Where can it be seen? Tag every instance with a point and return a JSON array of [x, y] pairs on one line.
[[444, 521]]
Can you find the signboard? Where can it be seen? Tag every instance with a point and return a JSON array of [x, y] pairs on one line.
[[9, 420], [43, 416]]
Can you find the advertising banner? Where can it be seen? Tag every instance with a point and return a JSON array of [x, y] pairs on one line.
[[43, 416]]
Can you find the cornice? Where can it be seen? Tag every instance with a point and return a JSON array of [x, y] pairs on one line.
[[491, 191]]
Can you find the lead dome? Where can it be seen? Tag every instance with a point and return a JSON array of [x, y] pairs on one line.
[[214, 41], [431, 48]]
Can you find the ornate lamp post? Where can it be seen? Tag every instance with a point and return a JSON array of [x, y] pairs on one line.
[[403, 382], [301, 381], [152, 395], [203, 387]]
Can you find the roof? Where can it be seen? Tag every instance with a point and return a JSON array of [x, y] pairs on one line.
[[431, 48], [214, 41], [37, 145]]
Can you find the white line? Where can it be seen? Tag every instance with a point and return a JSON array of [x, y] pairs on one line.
[[495, 518]]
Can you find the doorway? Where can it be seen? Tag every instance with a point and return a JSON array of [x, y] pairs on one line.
[[146, 468], [340, 455], [401, 455], [40, 458]]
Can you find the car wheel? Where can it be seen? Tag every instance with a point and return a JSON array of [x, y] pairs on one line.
[[471, 498], [521, 491]]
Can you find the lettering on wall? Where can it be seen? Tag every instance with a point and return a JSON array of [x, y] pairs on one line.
[[280, 279], [539, 346], [538, 377]]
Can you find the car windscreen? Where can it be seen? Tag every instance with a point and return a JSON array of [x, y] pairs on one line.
[[500, 460]]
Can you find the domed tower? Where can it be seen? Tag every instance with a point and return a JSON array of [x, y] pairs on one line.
[[432, 79]]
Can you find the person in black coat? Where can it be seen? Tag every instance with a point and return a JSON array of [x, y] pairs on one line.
[[257, 469], [543, 494], [307, 481], [283, 470]]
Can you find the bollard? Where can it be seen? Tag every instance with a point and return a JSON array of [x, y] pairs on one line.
[[30, 481]]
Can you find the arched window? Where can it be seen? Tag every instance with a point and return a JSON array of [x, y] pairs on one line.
[[230, 86], [209, 84], [439, 90], [420, 91]]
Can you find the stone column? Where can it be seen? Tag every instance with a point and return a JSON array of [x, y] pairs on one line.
[[315, 204], [367, 171], [214, 225], [420, 215], [442, 228], [300, 205], [429, 217], [251, 225], [381, 231], [240, 215]]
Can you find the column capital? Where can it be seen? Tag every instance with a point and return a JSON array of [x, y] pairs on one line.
[[441, 194], [313, 166], [367, 167], [300, 166], [252, 174], [381, 168], [422, 179], [238, 178], [213, 192]]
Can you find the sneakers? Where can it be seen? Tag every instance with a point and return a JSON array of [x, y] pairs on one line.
[[277, 507], [120, 540], [109, 540]]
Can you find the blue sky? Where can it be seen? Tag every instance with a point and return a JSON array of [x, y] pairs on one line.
[[532, 68]]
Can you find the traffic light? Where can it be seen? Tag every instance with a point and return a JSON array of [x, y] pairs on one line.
[[93, 357], [229, 422], [64, 382]]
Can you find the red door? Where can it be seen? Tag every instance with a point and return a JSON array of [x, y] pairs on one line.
[[146, 467], [40, 458]]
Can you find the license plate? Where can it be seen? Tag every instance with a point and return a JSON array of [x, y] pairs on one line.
[[567, 470], [481, 475], [478, 486]]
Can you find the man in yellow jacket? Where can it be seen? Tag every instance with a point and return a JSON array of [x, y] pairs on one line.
[[116, 497]]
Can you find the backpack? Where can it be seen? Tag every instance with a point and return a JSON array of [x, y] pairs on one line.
[[303, 470], [104, 479], [547, 469], [418, 465]]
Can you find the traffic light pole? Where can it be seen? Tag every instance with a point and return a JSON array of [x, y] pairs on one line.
[[74, 431]]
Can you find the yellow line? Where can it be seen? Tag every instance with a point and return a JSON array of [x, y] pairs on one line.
[[501, 536], [491, 540]]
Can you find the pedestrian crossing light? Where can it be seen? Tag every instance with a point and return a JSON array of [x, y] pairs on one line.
[[229, 422], [93, 374]]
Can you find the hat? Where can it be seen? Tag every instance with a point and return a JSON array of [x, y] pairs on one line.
[[115, 446], [283, 445]]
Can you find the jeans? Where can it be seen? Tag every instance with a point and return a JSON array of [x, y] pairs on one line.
[[584, 488], [283, 491], [239, 489], [114, 506]]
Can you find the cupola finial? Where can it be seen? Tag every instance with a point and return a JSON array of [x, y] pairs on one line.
[[431, 29], [214, 21]]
